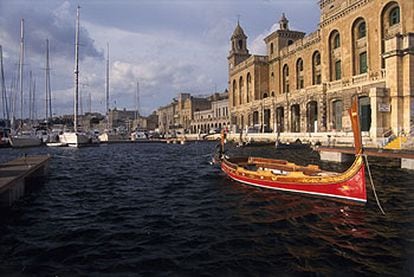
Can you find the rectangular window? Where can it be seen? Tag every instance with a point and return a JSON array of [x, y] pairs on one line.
[[363, 63], [338, 73]]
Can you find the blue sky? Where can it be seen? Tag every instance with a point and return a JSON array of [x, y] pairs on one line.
[[167, 46]]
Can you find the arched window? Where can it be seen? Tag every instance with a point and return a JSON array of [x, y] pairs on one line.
[[359, 47], [248, 87], [265, 95], [240, 42], [364, 113], [271, 48], [285, 78], [335, 56], [337, 41], [362, 30], [234, 92], [241, 87], [299, 74], [312, 116], [280, 119], [395, 16], [337, 110], [295, 118], [316, 68], [390, 24]]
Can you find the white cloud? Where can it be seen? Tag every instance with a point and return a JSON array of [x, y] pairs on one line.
[[258, 45], [168, 46], [164, 64]]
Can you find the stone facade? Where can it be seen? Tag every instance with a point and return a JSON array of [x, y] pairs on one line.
[[128, 120], [167, 120], [213, 119], [121, 119], [189, 114], [305, 83]]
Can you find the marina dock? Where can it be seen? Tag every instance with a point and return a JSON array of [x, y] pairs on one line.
[[342, 154], [17, 175]]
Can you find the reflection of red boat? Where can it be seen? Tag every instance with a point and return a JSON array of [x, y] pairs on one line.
[[286, 176]]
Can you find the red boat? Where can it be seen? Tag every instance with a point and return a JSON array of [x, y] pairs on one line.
[[285, 176]]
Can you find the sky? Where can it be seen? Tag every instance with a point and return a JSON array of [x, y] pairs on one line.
[[167, 47]]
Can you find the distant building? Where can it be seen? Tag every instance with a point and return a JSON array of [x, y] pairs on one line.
[[128, 121], [213, 119], [167, 117], [91, 121], [190, 114], [305, 83], [123, 119]]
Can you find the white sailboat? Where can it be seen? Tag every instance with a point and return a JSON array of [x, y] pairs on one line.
[[108, 136], [138, 134], [23, 138], [75, 138]]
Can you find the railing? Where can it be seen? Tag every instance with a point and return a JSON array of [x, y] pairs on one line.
[[358, 79], [314, 89], [335, 84]]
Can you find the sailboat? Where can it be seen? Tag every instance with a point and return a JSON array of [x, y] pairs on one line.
[[4, 130], [108, 135], [75, 138], [20, 137], [138, 134]]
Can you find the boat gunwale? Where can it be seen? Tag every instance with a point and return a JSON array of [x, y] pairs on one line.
[[305, 180]]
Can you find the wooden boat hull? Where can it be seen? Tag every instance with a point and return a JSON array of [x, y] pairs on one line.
[[349, 185]]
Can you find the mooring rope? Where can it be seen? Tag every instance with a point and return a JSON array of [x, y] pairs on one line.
[[372, 184]]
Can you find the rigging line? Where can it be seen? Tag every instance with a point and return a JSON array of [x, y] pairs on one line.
[[372, 184]]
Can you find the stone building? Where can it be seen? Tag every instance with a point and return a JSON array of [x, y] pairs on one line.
[[127, 120], [214, 118], [190, 114], [305, 83], [167, 119], [187, 105]]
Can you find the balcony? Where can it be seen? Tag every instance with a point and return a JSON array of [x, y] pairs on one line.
[[334, 85], [359, 79]]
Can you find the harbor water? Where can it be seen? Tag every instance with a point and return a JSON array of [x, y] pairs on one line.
[[163, 209]]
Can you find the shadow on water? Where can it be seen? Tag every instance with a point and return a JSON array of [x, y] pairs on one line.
[[160, 209]]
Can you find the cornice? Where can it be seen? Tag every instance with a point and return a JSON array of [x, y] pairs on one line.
[[343, 12]]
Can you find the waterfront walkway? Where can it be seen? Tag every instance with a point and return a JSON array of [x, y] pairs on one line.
[[16, 175]]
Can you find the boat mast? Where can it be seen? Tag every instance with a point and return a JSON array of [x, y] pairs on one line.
[[30, 97], [90, 103], [48, 93], [3, 90], [34, 112], [137, 103], [76, 73], [21, 61], [107, 86]]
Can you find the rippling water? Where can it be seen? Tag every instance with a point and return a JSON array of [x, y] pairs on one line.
[[161, 209]]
